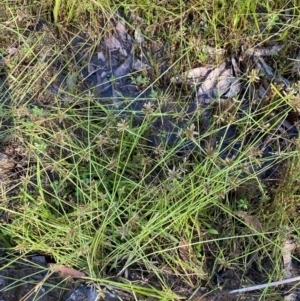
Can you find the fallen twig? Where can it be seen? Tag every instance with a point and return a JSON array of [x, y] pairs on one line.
[[262, 286]]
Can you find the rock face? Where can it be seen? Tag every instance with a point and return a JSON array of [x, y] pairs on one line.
[[22, 279]]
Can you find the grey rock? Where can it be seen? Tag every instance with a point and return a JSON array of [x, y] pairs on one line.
[[83, 293]]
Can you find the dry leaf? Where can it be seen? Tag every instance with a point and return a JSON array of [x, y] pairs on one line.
[[191, 76], [103, 84], [124, 68], [212, 50], [190, 264], [296, 65], [288, 247], [223, 83], [236, 84], [262, 65], [100, 56], [234, 89], [139, 38], [121, 29], [6, 163], [264, 51], [112, 43], [210, 81], [139, 65], [291, 297], [66, 272], [186, 252], [236, 68], [250, 220], [12, 50]]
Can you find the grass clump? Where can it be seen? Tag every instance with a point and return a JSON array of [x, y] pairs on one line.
[[85, 185]]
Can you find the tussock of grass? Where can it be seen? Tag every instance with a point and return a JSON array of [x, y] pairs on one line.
[[89, 190]]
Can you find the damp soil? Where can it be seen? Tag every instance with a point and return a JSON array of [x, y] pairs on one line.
[[30, 279]]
